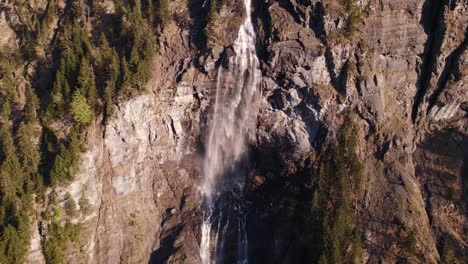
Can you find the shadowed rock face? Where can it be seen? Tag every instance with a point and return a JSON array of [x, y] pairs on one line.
[[441, 164], [403, 76]]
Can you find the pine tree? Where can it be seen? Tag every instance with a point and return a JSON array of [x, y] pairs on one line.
[[31, 107], [54, 244], [28, 150], [64, 166], [43, 26], [5, 110], [85, 82], [76, 145], [114, 68], [56, 107], [80, 109], [13, 245], [111, 85], [14, 222], [10, 170], [50, 12], [103, 54], [125, 75], [108, 95], [69, 66]]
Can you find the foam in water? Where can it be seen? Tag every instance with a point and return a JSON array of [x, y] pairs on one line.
[[234, 122]]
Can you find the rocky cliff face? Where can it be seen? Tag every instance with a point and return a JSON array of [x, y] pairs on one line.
[[399, 66]]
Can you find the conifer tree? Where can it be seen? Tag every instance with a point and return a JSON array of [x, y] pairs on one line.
[[43, 25], [10, 169], [103, 54], [32, 104], [125, 75], [114, 68], [85, 82], [80, 109], [56, 107], [64, 166], [108, 63], [13, 245], [5, 110], [69, 66], [28, 150]]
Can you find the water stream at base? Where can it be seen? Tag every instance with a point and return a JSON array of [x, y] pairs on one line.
[[234, 122]]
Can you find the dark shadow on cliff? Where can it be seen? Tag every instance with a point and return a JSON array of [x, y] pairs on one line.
[[289, 7], [198, 14], [273, 209], [451, 64], [432, 21], [276, 222], [261, 16], [442, 164], [279, 198], [442, 168], [167, 247], [464, 173]]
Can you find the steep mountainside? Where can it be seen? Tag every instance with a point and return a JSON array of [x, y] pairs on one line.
[[361, 146]]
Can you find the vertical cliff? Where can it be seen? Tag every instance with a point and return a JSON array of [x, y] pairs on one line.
[[361, 133], [398, 67]]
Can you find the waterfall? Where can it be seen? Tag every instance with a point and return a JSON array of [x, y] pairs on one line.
[[233, 126]]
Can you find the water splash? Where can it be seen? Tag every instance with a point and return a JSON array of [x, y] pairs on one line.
[[234, 122]]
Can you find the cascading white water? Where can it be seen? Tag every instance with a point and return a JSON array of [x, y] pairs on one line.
[[234, 122]]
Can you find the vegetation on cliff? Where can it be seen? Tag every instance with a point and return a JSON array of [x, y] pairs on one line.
[[334, 229], [72, 63]]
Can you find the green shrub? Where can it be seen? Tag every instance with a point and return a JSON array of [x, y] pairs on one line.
[[57, 215], [85, 205], [70, 205], [354, 18]]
